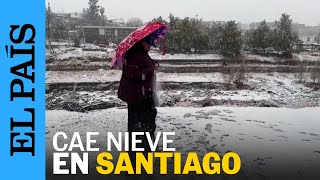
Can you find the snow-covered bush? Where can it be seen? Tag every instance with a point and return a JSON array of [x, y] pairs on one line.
[[236, 74], [315, 73], [301, 72]]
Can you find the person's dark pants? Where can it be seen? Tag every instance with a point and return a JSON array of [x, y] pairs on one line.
[[142, 118]]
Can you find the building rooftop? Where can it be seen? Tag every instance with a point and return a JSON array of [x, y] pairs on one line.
[[107, 27]]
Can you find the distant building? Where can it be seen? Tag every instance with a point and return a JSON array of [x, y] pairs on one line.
[[62, 15], [299, 26], [76, 15], [307, 31], [117, 21], [309, 39], [105, 33]]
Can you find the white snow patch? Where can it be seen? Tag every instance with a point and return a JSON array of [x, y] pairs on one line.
[[157, 55]]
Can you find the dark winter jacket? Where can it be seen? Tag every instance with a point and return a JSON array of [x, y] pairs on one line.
[[138, 75]]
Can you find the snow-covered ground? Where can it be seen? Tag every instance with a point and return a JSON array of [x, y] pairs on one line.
[[260, 58], [115, 75], [157, 55], [315, 56], [304, 56], [272, 89], [268, 140], [66, 52]]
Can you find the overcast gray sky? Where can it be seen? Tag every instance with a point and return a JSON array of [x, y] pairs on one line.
[[302, 11]]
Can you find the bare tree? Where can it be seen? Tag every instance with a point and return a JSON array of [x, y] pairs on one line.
[[301, 72], [48, 17], [241, 77], [235, 74], [134, 22], [228, 75], [315, 73]]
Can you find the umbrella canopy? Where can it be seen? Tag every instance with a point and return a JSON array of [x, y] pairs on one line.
[[156, 30]]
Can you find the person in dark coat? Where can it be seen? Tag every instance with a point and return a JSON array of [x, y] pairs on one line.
[[137, 88]]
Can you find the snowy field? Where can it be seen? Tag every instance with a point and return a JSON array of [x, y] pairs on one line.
[[195, 89], [157, 55], [66, 53], [314, 56], [265, 138], [91, 51]]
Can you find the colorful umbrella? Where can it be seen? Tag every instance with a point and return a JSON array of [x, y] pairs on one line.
[[156, 30]]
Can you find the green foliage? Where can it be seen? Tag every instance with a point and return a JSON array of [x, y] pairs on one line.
[[76, 41], [76, 38], [260, 38], [56, 26], [48, 21], [230, 40], [281, 36], [248, 39], [92, 15], [315, 73], [214, 33], [186, 35], [159, 19], [193, 35], [59, 28], [102, 11], [284, 37]]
